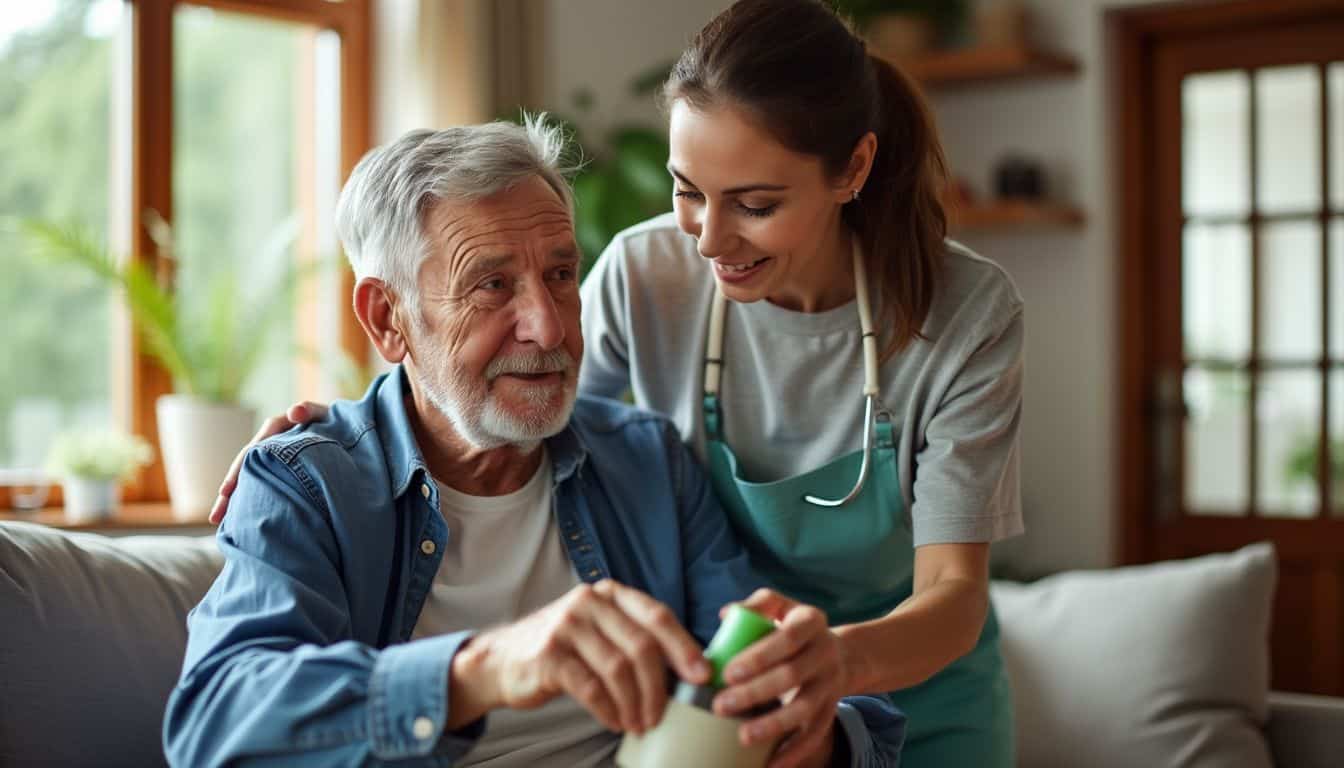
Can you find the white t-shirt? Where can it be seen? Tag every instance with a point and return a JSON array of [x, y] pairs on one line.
[[504, 559], [791, 393]]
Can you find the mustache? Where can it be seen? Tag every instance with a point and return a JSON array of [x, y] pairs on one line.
[[555, 361]]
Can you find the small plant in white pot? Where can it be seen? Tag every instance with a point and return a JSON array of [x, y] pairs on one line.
[[92, 465], [210, 347]]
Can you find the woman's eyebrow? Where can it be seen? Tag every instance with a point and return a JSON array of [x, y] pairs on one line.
[[734, 190]]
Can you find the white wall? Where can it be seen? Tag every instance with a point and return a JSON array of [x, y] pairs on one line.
[[603, 44], [1067, 279]]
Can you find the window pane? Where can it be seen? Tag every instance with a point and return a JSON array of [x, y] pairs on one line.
[[1336, 90], [256, 174], [1290, 291], [1216, 435], [1337, 289], [1215, 177], [1289, 419], [57, 76], [1216, 291], [1288, 120]]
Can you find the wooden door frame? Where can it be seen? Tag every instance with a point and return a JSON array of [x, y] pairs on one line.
[[1132, 36]]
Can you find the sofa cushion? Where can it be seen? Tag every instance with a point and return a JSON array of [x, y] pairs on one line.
[[1305, 731], [1154, 665], [94, 630]]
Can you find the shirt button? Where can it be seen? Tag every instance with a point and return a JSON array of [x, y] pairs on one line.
[[427, 547], [422, 728], [424, 490]]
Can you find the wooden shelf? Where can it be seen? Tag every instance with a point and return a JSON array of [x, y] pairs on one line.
[[969, 65], [1013, 215], [129, 519]]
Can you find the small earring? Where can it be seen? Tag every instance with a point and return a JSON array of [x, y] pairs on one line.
[[854, 195]]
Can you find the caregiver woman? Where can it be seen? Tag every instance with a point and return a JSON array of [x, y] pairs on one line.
[[802, 281], [806, 169]]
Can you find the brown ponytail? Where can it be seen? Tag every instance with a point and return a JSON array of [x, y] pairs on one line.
[[899, 216], [806, 78]]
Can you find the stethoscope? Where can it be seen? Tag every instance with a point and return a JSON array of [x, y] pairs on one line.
[[714, 370]]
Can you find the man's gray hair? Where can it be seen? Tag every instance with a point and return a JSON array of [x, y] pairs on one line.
[[380, 214]]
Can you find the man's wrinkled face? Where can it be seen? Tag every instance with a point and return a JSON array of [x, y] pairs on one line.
[[496, 346]]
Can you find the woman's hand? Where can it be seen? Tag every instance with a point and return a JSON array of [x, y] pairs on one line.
[[803, 664], [299, 413]]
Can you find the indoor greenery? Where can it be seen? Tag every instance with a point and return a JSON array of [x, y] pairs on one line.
[[620, 180], [623, 185], [1304, 459], [209, 347], [98, 455]]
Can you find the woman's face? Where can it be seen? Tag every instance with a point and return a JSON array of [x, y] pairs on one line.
[[768, 217]]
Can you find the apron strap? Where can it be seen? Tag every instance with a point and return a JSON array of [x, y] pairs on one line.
[[714, 343]]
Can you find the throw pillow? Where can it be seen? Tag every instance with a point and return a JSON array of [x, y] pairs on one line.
[[1155, 665]]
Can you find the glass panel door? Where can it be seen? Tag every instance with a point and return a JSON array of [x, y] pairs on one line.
[[1262, 295]]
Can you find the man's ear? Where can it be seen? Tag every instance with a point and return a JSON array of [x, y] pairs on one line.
[[376, 308]]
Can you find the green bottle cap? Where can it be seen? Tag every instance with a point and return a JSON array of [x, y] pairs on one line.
[[740, 628]]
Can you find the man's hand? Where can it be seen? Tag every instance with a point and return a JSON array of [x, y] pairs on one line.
[[802, 664], [606, 645]]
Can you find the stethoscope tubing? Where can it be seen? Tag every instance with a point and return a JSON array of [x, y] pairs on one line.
[[714, 369]]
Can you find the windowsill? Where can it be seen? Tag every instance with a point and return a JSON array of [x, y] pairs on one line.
[[131, 518]]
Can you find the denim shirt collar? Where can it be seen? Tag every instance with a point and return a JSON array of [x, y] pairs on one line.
[[567, 450]]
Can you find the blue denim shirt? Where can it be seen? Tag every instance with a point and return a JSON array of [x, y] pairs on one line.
[[300, 653]]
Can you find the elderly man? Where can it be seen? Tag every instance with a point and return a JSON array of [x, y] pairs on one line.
[[470, 565]]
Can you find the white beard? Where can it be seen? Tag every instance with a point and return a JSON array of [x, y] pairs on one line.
[[479, 418]]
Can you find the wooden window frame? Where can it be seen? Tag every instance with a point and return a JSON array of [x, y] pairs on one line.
[[151, 133]]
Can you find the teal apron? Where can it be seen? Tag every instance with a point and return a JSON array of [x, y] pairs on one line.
[[855, 561]]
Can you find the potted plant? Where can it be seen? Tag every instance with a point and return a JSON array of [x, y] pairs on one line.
[[624, 185], [209, 347], [1300, 467], [92, 465], [903, 28]]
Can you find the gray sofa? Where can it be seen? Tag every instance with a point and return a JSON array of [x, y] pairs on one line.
[[92, 633]]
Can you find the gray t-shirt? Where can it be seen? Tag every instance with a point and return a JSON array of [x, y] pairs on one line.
[[792, 389]]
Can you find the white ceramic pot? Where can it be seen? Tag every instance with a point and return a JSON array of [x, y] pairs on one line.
[[198, 440], [89, 499]]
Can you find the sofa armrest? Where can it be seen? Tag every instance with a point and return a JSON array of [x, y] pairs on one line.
[[1305, 731]]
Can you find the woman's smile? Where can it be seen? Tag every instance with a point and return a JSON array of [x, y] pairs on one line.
[[736, 273]]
